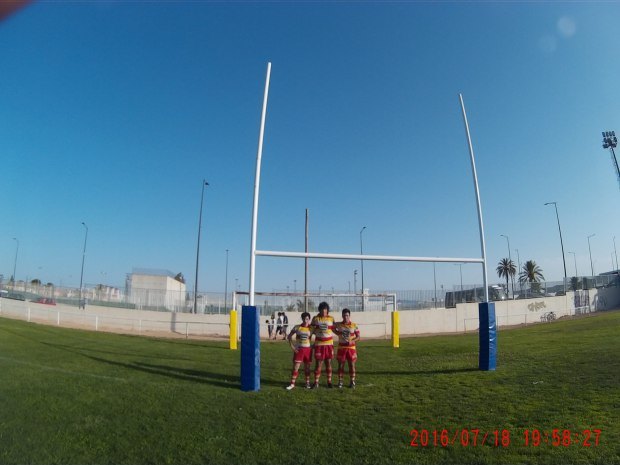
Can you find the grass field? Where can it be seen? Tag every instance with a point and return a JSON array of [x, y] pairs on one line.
[[76, 397]]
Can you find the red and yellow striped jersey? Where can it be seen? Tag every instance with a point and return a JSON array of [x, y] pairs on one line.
[[302, 335], [345, 333], [322, 328]]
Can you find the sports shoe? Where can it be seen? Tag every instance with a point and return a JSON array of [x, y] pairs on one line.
[[308, 386], [330, 385], [352, 385], [340, 385], [315, 386], [290, 386]]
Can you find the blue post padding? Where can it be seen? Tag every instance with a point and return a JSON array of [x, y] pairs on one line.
[[487, 336], [250, 349]]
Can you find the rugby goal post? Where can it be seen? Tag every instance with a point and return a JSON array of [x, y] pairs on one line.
[[250, 330]]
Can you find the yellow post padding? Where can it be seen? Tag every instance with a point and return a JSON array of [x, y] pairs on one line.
[[395, 330], [233, 330]]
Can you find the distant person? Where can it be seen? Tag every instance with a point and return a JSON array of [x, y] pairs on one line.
[[302, 351], [348, 335], [269, 324], [284, 325], [279, 324], [273, 324], [322, 326]]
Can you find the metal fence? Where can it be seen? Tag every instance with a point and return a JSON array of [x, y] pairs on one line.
[[271, 303], [219, 303]]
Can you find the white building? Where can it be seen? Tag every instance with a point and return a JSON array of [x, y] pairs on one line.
[[157, 290]]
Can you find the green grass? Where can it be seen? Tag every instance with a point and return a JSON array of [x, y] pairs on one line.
[[75, 397]]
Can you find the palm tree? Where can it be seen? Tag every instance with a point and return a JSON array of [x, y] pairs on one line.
[[506, 268], [531, 273]]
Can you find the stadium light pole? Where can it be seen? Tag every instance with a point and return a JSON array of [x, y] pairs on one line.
[[15, 262], [202, 196], [575, 259], [610, 141], [355, 288], [362, 264], [561, 242], [512, 278], [82, 272], [616, 252], [226, 285], [590, 250], [306, 267], [435, 284]]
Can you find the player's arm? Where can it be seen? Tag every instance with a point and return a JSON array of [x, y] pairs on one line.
[[312, 329], [290, 340], [337, 330]]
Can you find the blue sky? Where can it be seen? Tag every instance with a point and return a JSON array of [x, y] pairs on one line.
[[112, 113]]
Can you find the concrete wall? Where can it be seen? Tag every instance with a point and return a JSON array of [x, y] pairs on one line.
[[157, 291], [463, 318]]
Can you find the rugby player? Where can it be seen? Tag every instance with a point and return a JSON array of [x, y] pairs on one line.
[[302, 351], [348, 334]]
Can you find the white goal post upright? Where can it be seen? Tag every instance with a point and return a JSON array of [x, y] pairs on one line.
[[250, 341], [259, 156], [483, 249]]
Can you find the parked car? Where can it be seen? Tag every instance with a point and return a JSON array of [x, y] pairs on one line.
[[45, 300]]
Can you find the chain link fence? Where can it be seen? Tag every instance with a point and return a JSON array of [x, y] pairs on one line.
[[277, 301]]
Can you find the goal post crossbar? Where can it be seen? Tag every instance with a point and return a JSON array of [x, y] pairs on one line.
[[389, 258]]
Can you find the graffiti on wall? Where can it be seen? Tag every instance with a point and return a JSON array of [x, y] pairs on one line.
[[535, 306]]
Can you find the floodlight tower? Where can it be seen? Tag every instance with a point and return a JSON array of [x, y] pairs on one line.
[[610, 141]]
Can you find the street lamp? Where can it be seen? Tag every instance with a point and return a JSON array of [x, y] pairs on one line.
[[512, 278], [226, 285], [575, 259], [561, 243], [15, 262], [355, 288], [362, 253], [610, 141], [80, 303], [519, 270], [460, 265], [590, 250], [435, 284], [202, 195]]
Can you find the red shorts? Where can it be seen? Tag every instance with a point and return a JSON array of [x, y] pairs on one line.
[[347, 354], [303, 355], [323, 352]]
